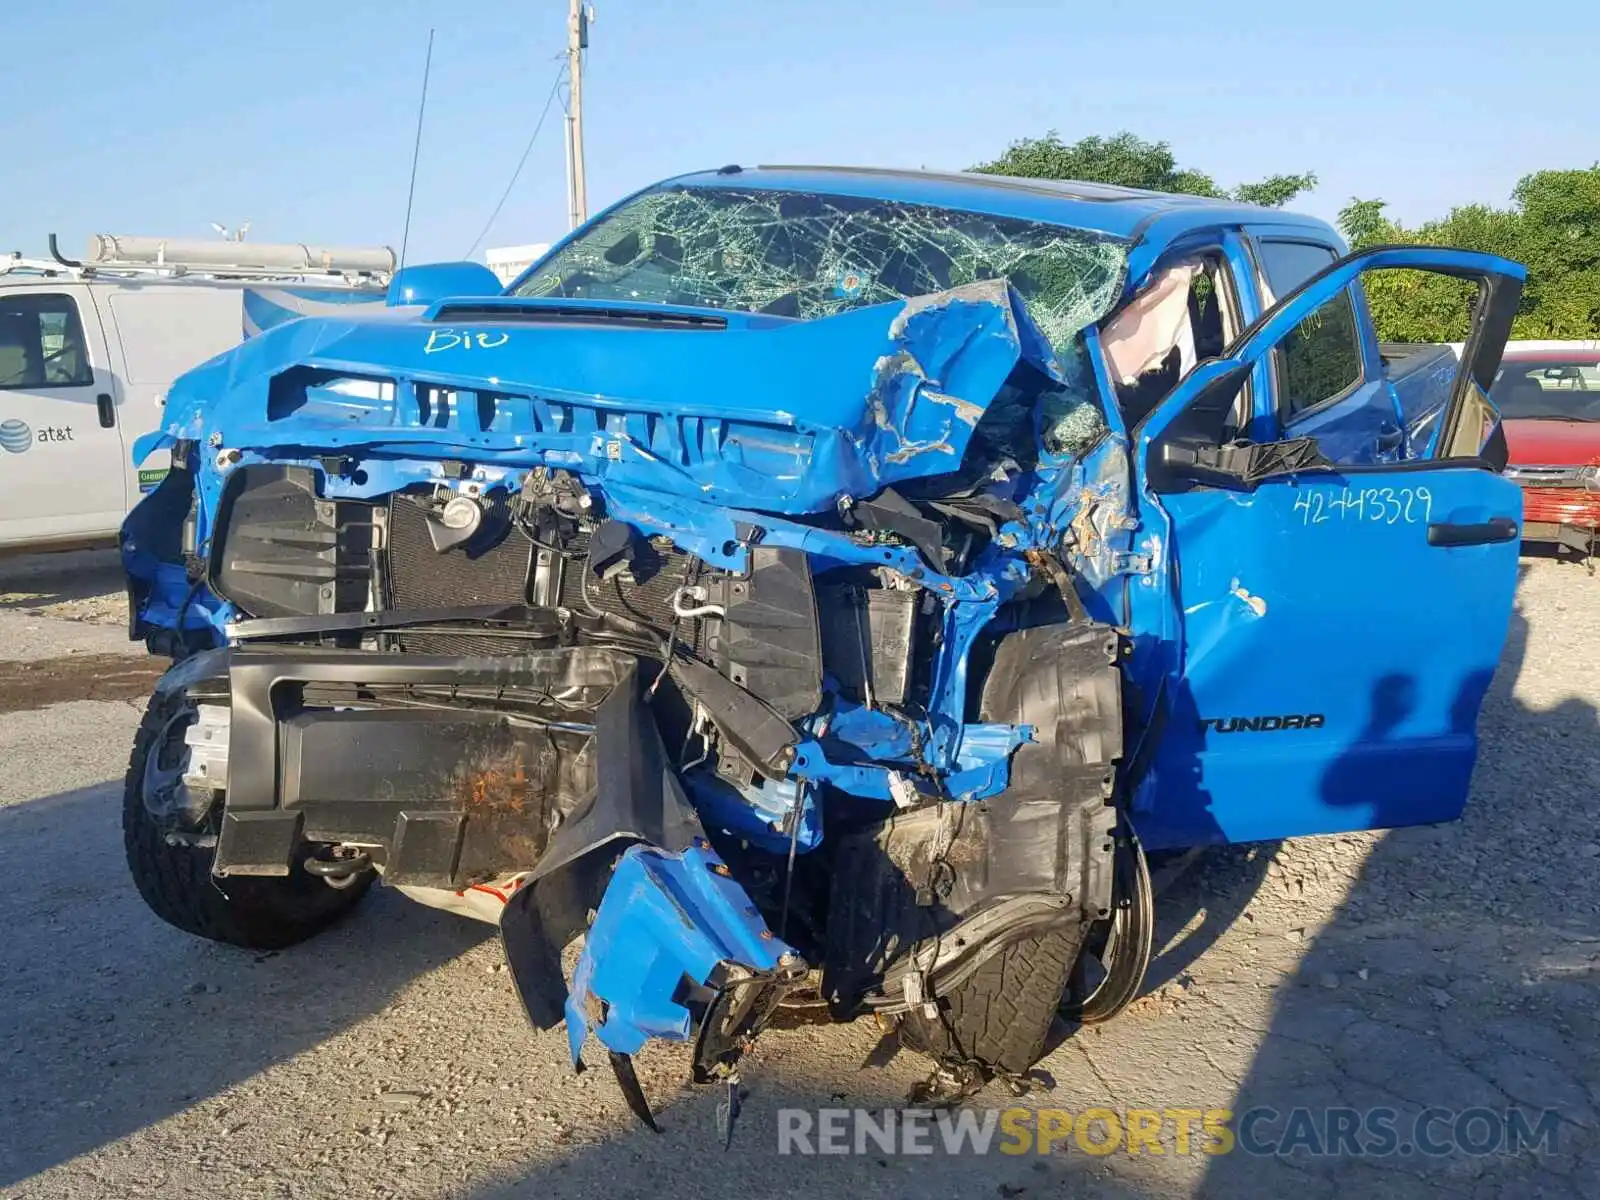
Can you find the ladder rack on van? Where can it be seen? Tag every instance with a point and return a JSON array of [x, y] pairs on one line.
[[122, 257]]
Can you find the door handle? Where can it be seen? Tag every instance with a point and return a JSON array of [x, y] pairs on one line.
[[108, 411], [1483, 533]]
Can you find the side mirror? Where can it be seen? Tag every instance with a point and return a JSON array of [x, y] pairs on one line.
[[1195, 445], [1240, 466], [429, 283]]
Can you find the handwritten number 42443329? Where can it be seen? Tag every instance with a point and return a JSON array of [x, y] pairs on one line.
[[1379, 506]]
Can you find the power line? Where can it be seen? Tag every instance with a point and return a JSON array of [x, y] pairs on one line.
[[416, 150], [521, 162]]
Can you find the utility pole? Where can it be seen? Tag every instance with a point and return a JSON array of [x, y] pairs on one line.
[[577, 42]]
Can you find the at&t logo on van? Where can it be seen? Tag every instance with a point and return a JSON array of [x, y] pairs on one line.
[[15, 436]]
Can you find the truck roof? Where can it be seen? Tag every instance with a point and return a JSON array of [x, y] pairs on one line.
[[1150, 220]]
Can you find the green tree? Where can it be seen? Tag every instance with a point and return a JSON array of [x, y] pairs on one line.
[[1364, 224], [1275, 190], [1128, 160], [1559, 241], [1552, 227]]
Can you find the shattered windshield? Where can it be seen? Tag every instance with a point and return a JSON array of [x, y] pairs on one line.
[[806, 255]]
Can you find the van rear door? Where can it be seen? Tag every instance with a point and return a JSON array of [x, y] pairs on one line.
[[159, 330], [61, 447]]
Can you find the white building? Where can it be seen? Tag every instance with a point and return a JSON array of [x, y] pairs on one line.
[[508, 262]]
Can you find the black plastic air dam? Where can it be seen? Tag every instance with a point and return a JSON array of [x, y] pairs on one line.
[[280, 551], [445, 789]]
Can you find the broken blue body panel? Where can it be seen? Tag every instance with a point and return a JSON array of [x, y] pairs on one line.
[[671, 925], [828, 452]]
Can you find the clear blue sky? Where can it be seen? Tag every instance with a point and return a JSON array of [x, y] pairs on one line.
[[160, 116]]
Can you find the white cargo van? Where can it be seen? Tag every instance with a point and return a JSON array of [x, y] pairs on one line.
[[88, 349]]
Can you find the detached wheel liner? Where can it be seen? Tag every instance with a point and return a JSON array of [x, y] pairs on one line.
[[1052, 832]]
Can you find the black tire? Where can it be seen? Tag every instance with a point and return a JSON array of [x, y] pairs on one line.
[[1002, 1014], [176, 880]]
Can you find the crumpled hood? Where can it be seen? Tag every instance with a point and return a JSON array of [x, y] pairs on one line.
[[742, 409]]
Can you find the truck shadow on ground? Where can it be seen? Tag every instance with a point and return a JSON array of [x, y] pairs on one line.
[[113, 1021], [1457, 979], [1459, 972], [34, 581], [1457, 976], [1202, 904], [752, 1167]]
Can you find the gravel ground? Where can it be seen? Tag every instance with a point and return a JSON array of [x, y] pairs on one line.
[[80, 585], [1452, 966]]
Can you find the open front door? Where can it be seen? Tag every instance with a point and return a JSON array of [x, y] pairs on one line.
[[1332, 612]]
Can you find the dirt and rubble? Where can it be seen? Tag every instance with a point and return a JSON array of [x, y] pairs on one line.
[[1453, 966], [43, 682]]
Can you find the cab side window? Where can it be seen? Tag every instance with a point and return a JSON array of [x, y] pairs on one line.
[[1321, 360], [42, 343]]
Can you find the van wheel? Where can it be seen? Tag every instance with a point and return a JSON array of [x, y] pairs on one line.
[[175, 879], [1002, 1014]]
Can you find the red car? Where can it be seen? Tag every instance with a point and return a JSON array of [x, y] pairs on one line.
[[1550, 401]]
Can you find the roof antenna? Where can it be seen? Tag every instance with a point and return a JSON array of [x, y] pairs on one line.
[[416, 151]]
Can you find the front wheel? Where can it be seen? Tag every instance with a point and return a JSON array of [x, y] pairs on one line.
[[171, 865], [1000, 1016]]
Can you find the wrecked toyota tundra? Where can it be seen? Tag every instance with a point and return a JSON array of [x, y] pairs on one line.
[[819, 586]]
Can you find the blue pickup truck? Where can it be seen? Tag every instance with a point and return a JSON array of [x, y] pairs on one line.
[[819, 582]]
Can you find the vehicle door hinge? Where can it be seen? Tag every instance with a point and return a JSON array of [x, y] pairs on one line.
[[1130, 562]]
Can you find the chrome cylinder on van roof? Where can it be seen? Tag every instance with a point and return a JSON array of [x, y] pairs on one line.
[[109, 248]]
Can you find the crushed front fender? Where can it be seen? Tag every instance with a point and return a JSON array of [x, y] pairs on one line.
[[677, 950]]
